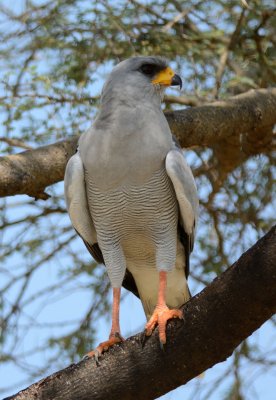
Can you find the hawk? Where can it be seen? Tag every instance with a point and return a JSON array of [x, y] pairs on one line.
[[132, 197]]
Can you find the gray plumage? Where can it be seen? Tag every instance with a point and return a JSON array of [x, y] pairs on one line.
[[130, 194]]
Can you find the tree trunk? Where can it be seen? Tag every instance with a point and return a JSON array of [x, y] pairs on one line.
[[215, 322]]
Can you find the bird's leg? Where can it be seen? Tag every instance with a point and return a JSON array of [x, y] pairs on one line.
[[115, 333], [115, 326], [162, 313]]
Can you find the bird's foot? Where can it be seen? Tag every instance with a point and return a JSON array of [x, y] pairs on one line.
[[160, 317], [104, 346]]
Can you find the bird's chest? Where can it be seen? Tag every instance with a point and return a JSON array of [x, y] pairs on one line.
[[129, 155], [138, 216]]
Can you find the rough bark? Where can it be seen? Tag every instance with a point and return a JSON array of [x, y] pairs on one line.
[[215, 322], [235, 128], [31, 171], [245, 114]]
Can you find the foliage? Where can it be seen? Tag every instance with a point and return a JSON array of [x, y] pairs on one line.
[[54, 55]]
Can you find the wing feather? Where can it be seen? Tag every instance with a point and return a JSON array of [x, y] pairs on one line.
[[76, 200], [186, 193]]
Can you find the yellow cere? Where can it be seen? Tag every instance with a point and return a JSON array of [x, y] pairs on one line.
[[164, 77]]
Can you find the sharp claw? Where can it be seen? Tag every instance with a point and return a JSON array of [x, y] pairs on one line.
[[104, 346], [143, 339], [118, 335], [162, 347], [96, 356], [161, 317], [93, 354]]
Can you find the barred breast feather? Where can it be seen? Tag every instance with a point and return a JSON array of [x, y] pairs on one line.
[[135, 224]]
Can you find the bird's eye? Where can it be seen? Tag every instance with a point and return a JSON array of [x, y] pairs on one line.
[[148, 69]]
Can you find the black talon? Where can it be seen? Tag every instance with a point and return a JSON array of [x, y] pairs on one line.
[[162, 345], [143, 339], [96, 356]]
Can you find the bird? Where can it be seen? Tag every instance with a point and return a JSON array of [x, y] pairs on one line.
[[132, 197]]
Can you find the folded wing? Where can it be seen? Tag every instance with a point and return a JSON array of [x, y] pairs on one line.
[[186, 193]]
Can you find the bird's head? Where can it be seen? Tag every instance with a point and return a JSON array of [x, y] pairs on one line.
[[141, 78]]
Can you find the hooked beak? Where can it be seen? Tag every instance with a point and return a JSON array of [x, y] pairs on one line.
[[167, 77], [176, 81]]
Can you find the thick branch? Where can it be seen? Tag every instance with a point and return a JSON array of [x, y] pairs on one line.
[[183, 100], [235, 128], [31, 171], [246, 114], [216, 321]]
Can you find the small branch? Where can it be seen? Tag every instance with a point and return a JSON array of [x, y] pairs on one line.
[[215, 322], [16, 143], [176, 19], [52, 98], [225, 54]]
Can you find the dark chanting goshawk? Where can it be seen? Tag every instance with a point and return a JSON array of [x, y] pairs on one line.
[[132, 197]]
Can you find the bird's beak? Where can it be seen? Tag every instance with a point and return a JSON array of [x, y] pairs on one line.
[[167, 77]]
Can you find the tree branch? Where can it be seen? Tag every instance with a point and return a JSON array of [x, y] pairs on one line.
[[235, 128], [244, 115], [31, 171], [191, 101], [215, 322]]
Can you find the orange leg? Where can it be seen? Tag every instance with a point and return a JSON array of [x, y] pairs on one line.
[[162, 313], [115, 333]]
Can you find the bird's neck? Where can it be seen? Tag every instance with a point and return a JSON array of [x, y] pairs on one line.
[[117, 113], [127, 98]]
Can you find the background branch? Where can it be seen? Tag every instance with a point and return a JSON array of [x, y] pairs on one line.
[[235, 128], [31, 171]]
